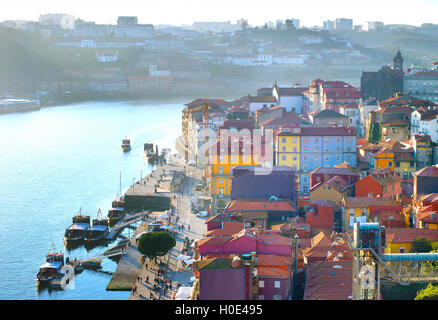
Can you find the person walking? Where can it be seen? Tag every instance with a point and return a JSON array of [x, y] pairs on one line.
[[147, 279]]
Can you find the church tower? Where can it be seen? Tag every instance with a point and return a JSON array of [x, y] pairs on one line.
[[398, 62]]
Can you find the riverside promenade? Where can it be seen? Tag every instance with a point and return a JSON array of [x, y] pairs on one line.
[[130, 268], [194, 228]]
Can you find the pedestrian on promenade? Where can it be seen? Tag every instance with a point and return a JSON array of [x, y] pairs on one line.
[[147, 279], [146, 265], [189, 227]]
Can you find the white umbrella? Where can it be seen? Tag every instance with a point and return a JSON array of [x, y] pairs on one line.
[[183, 257], [164, 215], [189, 261], [193, 279]]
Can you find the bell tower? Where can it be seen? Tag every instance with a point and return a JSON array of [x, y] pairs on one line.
[[398, 62]]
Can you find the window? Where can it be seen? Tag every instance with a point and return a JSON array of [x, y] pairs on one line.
[[283, 140], [389, 163], [220, 170], [261, 284], [283, 148], [277, 297], [277, 284], [283, 158], [363, 212], [370, 195], [402, 249], [261, 297], [294, 139], [351, 211]]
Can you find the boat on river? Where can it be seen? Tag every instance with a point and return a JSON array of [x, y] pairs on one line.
[[126, 145], [98, 231], [149, 155], [51, 268], [76, 232]]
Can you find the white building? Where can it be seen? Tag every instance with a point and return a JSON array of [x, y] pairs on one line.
[[372, 26], [422, 84], [365, 108], [258, 102], [353, 114], [290, 98], [343, 24], [425, 121]]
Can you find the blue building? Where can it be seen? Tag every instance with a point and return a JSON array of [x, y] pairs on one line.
[[325, 147]]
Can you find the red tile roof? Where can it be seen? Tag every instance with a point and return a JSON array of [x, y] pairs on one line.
[[272, 260], [406, 235], [228, 228], [260, 205], [272, 272], [431, 171]]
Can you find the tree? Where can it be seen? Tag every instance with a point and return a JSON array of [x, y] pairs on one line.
[[290, 25], [155, 244], [421, 245], [374, 134], [428, 293], [243, 23]]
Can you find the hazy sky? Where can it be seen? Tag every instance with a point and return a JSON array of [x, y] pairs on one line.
[[177, 12]]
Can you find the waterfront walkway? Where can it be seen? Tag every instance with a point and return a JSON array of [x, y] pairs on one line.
[[194, 228]]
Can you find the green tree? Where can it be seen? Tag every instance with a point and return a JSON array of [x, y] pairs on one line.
[[421, 245], [289, 24], [374, 134], [428, 293], [155, 244]]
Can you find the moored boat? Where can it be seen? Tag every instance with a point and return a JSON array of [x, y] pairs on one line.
[[78, 229], [115, 214], [98, 231], [51, 268], [126, 145]]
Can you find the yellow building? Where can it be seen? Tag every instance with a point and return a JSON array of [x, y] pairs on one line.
[[384, 159], [334, 190], [222, 163], [400, 240], [287, 149], [357, 209]]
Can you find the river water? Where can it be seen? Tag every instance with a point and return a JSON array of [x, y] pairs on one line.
[[56, 160]]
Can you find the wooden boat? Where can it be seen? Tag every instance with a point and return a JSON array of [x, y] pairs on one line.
[[98, 231], [76, 232], [149, 155], [92, 264], [115, 214], [126, 145], [51, 268]]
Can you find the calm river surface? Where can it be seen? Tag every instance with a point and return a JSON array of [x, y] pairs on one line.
[[56, 160]]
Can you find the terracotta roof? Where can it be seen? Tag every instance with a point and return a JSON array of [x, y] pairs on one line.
[[272, 272], [365, 202], [335, 171], [396, 123], [272, 260], [262, 99], [239, 124], [291, 91], [431, 171], [260, 205], [228, 228], [401, 100], [289, 118], [406, 235], [199, 102], [328, 114], [385, 176], [394, 110]]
